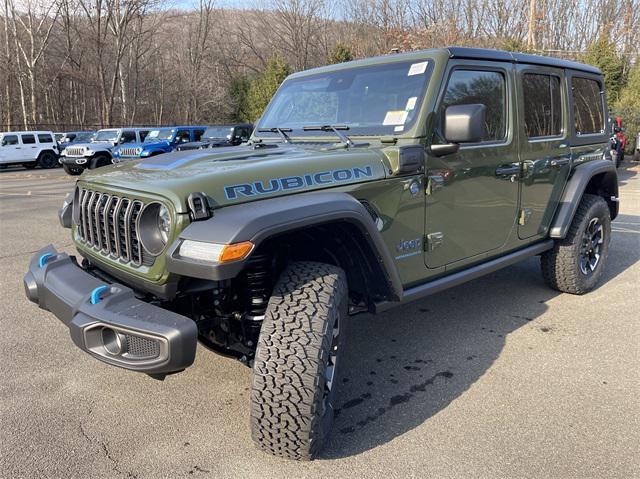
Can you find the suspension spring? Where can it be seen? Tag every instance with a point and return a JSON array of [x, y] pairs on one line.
[[259, 282]]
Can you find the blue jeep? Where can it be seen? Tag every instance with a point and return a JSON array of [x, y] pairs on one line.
[[158, 141]]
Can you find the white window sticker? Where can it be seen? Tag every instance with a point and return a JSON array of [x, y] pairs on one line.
[[399, 128], [411, 103], [417, 69], [395, 117]]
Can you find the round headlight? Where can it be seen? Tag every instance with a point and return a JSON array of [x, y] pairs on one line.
[[154, 227], [164, 223]]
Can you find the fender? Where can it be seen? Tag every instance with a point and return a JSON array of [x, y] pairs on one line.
[[577, 186], [257, 221]]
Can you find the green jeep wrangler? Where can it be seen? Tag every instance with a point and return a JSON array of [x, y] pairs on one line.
[[365, 185]]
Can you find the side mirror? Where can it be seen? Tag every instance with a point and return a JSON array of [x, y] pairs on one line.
[[462, 124]]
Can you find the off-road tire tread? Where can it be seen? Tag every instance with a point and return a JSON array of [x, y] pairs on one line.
[[286, 396], [560, 269]]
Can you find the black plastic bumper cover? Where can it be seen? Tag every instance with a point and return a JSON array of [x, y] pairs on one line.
[[89, 307]]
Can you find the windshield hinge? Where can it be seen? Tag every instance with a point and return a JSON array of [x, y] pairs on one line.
[[389, 139]]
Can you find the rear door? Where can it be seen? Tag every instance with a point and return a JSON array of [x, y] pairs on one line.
[[545, 153], [29, 150], [473, 194]]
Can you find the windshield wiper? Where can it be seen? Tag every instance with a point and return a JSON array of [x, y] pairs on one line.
[[280, 131], [336, 129]]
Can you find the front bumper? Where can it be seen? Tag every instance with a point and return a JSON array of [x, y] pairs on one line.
[[77, 161], [107, 320]]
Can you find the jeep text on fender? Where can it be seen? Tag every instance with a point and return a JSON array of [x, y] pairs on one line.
[[365, 185]]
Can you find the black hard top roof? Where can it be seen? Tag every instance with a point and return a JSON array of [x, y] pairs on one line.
[[513, 57]]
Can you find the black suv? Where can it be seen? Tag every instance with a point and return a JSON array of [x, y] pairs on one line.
[[220, 135]]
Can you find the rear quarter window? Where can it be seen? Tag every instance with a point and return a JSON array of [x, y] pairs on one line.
[[588, 107]]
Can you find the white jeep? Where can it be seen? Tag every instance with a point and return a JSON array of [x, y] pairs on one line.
[[96, 153], [28, 148]]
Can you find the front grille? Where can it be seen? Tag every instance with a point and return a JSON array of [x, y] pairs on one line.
[[130, 151], [74, 151], [108, 224]]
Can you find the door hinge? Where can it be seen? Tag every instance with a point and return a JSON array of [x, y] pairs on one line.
[[434, 240], [525, 214]]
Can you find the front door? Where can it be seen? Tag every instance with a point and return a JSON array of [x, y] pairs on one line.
[[472, 195], [544, 146], [11, 149]]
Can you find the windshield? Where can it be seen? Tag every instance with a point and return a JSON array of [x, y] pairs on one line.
[[84, 137], [155, 135], [106, 135], [371, 100], [223, 132]]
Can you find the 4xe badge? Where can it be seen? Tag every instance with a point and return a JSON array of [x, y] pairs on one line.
[[407, 248]]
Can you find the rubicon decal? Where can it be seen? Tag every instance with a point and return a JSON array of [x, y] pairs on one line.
[[287, 183]]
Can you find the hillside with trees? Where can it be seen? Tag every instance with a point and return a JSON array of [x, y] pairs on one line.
[[73, 64]]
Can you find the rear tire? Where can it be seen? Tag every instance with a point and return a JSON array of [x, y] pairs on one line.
[[70, 170], [294, 373], [576, 263], [47, 160]]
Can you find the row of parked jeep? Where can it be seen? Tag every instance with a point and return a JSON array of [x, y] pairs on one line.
[[79, 150]]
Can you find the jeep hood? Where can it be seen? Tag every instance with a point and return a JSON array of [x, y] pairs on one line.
[[231, 175], [211, 143]]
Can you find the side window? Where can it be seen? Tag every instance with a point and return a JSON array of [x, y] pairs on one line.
[[182, 136], [28, 139], [143, 134], [128, 136], [485, 87], [542, 105], [44, 138], [243, 133], [197, 134], [588, 108], [9, 140]]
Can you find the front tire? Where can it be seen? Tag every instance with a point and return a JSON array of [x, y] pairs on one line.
[[99, 161], [295, 368], [576, 263]]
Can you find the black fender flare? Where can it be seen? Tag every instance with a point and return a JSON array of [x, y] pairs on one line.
[[577, 186], [258, 221]]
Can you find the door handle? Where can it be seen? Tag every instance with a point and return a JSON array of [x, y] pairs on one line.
[[560, 162], [507, 170]]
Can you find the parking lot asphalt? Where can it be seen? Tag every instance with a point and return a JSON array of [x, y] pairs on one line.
[[499, 377]]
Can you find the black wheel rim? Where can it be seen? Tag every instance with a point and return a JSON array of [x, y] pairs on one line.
[[48, 161], [591, 247]]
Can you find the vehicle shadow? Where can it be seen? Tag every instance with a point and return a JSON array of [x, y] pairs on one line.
[[403, 367], [626, 171]]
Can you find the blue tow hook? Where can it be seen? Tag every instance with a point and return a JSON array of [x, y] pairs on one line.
[[44, 258], [96, 294]]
